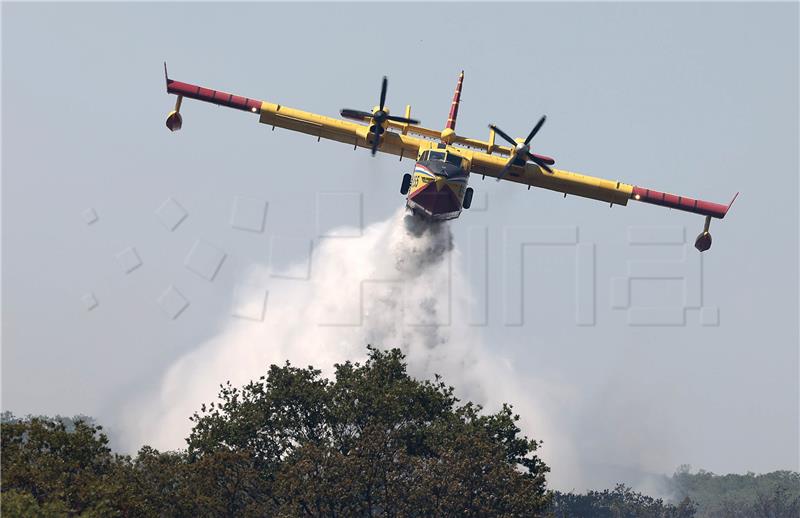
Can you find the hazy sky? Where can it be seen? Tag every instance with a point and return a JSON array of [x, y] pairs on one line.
[[654, 356]]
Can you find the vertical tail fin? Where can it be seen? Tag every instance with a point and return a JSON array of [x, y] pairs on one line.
[[451, 121]]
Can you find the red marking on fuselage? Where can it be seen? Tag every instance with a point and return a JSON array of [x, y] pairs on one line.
[[424, 169], [443, 201]]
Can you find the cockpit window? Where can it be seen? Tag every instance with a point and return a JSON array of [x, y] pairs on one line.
[[454, 159], [437, 155]]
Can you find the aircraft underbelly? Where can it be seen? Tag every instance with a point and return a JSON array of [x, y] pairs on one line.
[[441, 203]]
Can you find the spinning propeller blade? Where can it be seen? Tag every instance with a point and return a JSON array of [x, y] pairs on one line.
[[503, 134], [536, 129], [377, 118], [402, 120], [540, 163], [521, 150], [384, 85], [355, 114], [376, 140]]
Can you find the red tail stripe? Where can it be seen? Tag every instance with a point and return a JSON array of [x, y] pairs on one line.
[[451, 120], [213, 96]]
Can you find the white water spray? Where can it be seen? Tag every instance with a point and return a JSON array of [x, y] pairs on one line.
[[399, 285]]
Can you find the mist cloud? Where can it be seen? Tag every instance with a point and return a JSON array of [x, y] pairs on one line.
[[399, 285]]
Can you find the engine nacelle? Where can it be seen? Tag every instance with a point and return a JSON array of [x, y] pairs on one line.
[[376, 129]]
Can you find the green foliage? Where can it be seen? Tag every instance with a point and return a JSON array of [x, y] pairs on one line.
[[69, 423], [46, 463], [370, 442], [622, 502], [21, 504], [771, 495]]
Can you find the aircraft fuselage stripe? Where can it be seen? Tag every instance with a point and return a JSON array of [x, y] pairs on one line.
[[423, 170]]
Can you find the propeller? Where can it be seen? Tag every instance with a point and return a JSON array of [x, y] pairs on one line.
[[523, 149], [378, 117]]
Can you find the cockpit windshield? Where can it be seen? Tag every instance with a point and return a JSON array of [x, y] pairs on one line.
[[454, 159], [443, 156], [450, 158]]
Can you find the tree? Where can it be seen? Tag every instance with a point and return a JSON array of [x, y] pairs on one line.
[[372, 441], [63, 471], [768, 495], [622, 502]]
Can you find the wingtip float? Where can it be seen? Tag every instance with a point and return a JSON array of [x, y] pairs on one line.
[[444, 160]]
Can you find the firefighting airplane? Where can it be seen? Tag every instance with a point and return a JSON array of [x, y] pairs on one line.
[[437, 189]]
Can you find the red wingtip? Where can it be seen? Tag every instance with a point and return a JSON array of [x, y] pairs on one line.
[[706, 208]]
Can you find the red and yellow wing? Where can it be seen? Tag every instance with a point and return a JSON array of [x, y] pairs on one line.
[[559, 180], [280, 116], [610, 191]]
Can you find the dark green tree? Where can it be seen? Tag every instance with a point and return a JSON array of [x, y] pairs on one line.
[[371, 442], [52, 469]]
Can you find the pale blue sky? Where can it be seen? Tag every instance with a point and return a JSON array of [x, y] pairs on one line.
[[696, 99]]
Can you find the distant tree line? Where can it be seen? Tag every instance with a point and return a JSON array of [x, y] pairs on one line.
[[770, 495], [371, 442], [701, 495], [621, 502]]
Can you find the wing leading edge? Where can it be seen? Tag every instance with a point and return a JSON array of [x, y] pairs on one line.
[[280, 116], [601, 189], [486, 158]]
